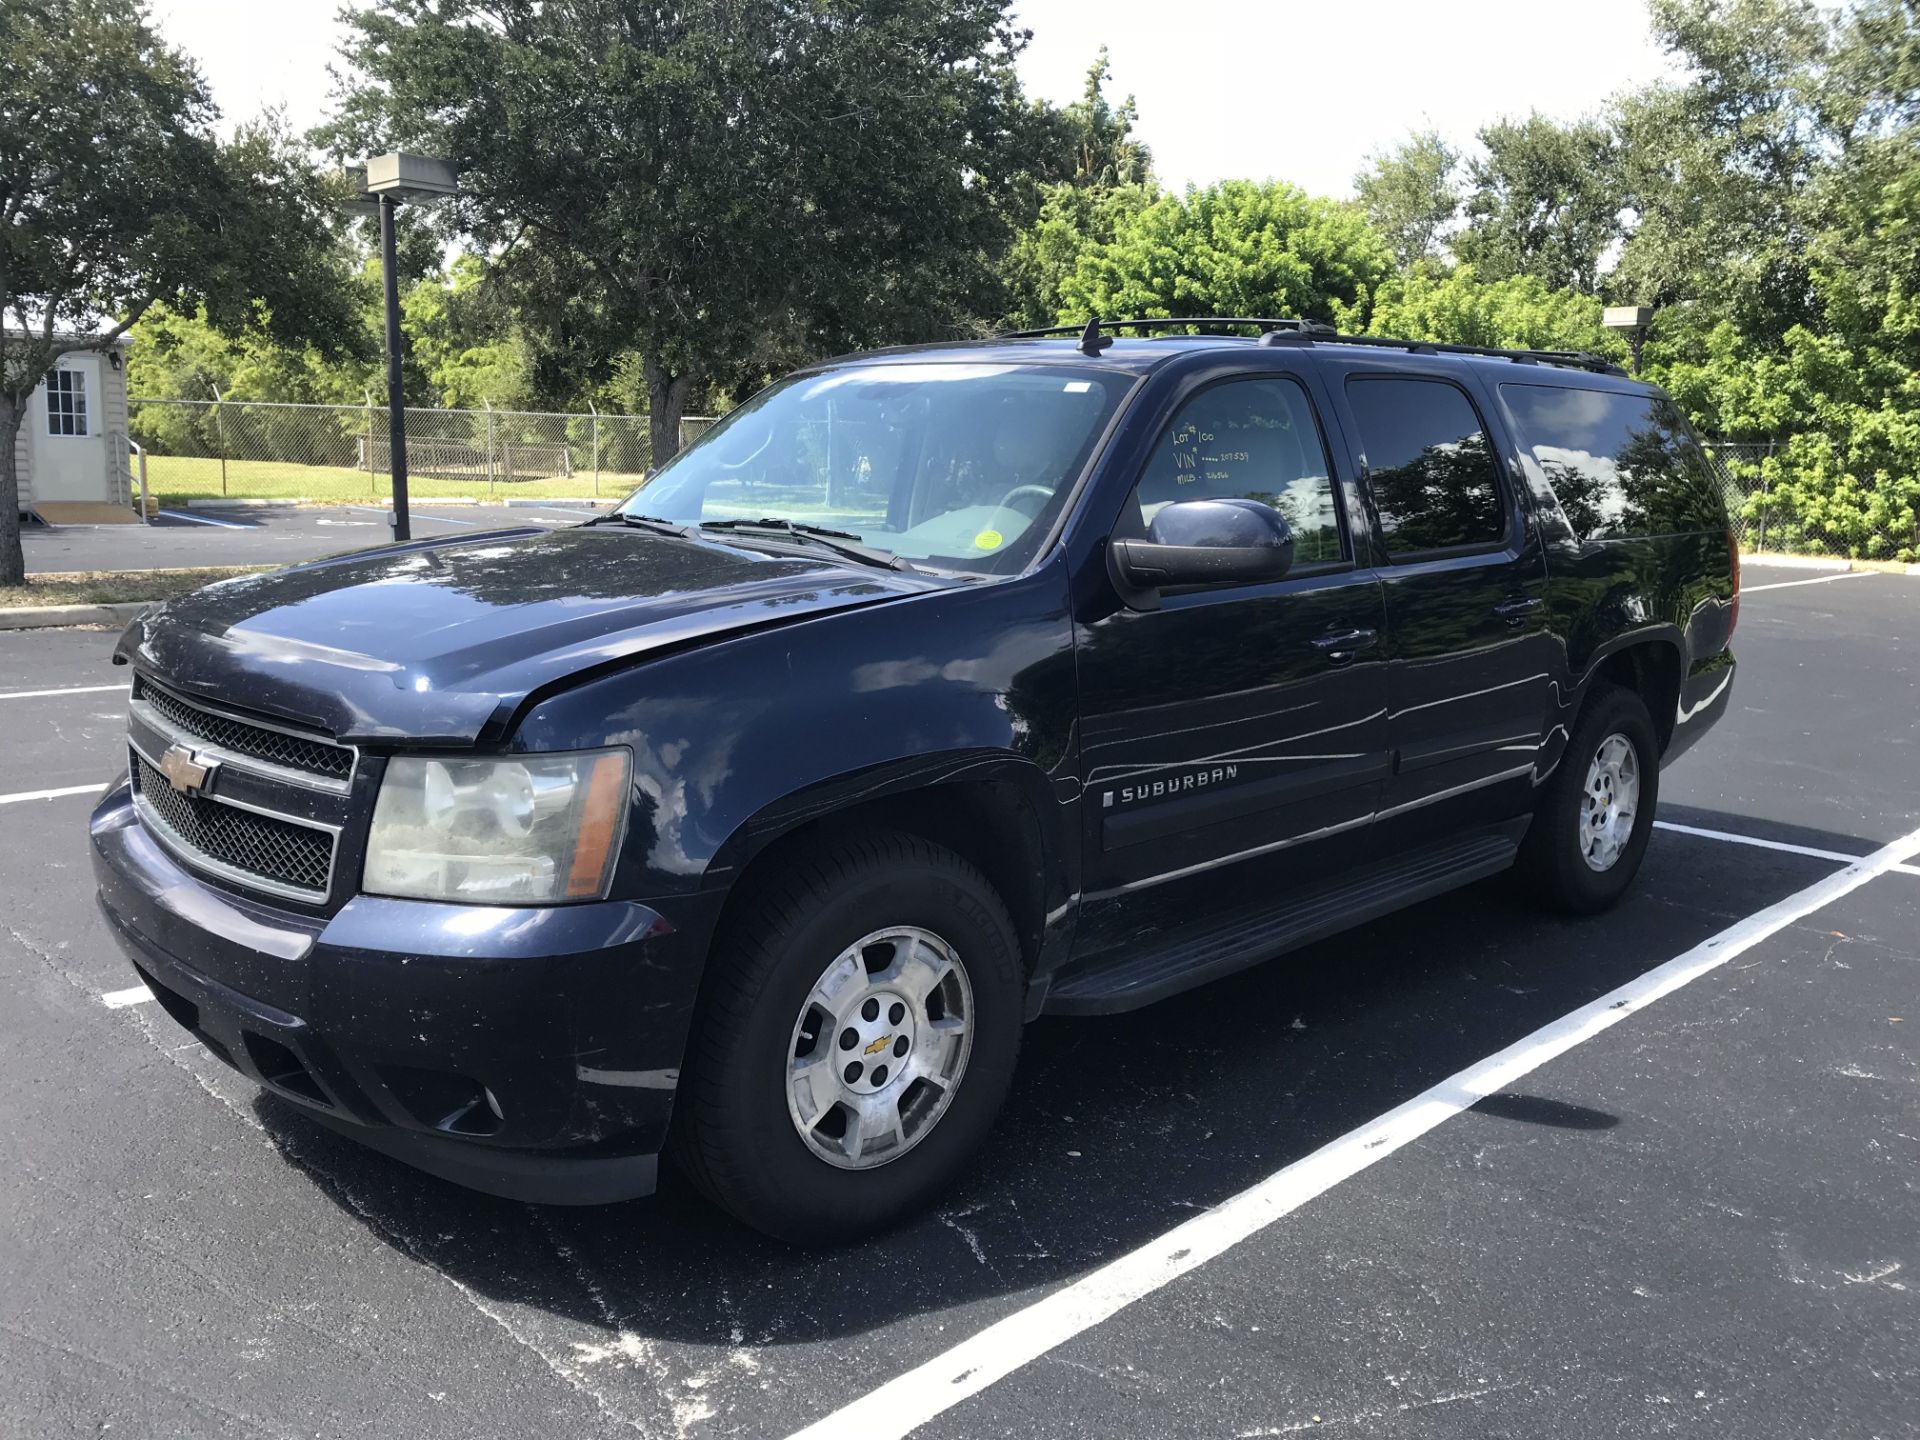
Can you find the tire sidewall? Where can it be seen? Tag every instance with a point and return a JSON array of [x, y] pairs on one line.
[[824, 1201], [1617, 712]]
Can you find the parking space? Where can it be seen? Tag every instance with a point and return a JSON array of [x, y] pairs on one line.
[[1693, 1211], [266, 534]]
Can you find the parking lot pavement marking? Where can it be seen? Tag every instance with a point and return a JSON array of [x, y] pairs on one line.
[[1816, 580], [416, 514], [120, 999], [24, 795], [205, 520], [65, 690], [1755, 840], [911, 1400], [1908, 869]]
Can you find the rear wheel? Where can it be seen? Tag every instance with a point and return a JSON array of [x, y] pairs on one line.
[[857, 1037], [1593, 819]]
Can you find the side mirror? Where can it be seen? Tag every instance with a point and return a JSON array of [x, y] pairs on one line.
[[1206, 542]]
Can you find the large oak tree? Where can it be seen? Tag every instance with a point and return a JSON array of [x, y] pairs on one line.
[[721, 187], [116, 193]]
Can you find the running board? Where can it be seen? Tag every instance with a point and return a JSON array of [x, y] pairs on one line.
[[1126, 979]]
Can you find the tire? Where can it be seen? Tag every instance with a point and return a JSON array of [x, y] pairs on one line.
[[885, 911], [1554, 858]]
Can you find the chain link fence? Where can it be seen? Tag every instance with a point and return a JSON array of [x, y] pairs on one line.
[[244, 449], [1771, 514]]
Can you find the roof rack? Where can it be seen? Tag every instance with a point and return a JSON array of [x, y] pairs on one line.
[[1294, 331]]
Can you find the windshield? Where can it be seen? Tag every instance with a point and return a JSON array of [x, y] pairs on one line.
[[960, 466]]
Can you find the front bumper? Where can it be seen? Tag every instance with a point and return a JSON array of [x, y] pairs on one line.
[[528, 1052]]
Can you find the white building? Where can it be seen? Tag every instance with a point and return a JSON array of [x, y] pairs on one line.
[[73, 448]]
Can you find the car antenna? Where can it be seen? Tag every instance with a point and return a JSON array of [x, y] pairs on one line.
[[1092, 342]]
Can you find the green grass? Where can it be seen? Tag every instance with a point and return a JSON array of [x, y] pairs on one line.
[[175, 479], [109, 587]]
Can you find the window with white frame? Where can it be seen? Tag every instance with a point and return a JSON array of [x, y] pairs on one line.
[[67, 402]]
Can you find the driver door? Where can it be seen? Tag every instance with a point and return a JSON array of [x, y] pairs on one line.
[[1234, 739]]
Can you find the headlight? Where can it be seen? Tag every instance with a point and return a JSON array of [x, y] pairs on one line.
[[524, 830]]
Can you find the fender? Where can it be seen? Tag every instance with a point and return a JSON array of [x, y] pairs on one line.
[[737, 742]]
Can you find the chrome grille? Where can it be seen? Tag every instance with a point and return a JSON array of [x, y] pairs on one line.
[[243, 845], [239, 737]]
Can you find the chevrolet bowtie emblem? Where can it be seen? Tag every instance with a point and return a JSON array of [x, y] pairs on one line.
[[184, 772]]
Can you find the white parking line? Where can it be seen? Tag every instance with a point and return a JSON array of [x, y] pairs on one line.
[[120, 999], [16, 798], [1816, 580], [1756, 841], [66, 690], [207, 520], [415, 514], [905, 1403]]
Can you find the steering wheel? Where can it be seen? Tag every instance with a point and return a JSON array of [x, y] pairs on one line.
[[1006, 500]]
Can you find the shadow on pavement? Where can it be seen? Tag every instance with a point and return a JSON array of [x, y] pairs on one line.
[[1118, 1128]]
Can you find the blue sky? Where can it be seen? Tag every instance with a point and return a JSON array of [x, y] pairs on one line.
[[1227, 88]]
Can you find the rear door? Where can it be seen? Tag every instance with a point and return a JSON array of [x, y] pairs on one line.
[[1472, 664], [1234, 739]]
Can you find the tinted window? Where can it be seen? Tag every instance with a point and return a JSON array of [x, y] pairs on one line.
[[1428, 461], [1620, 464], [1249, 439]]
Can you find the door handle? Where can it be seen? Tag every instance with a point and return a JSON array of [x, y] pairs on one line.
[[1515, 611], [1340, 646]]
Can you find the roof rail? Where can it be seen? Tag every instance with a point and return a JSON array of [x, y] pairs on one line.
[[1096, 324], [1293, 331]]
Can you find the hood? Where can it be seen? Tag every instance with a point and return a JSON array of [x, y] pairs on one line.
[[440, 641]]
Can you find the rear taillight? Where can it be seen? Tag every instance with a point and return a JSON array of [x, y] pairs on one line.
[[1733, 559]]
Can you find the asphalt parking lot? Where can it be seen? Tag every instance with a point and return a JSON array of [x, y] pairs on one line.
[[266, 534], [1470, 1171]]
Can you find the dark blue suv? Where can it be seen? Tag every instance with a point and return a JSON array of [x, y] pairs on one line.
[[930, 692]]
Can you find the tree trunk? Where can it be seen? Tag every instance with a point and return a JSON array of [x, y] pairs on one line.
[[666, 402], [13, 562]]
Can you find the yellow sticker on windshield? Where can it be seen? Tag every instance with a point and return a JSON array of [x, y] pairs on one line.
[[989, 540]]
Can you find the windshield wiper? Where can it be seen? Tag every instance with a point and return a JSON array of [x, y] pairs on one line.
[[653, 524], [841, 542]]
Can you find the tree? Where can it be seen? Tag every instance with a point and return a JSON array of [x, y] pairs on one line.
[[1544, 200], [1093, 172], [1410, 196], [717, 186], [1519, 312], [1236, 248], [115, 195]]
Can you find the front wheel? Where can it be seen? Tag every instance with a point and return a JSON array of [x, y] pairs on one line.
[[856, 1038], [1591, 825]]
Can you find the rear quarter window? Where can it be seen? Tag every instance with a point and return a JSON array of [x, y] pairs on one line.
[[1622, 465]]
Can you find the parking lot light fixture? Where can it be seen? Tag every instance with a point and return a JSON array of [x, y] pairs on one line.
[[391, 181], [1632, 320]]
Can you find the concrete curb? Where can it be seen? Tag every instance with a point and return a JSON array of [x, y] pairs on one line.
[[278, 503], [562, 502], [51, 617]]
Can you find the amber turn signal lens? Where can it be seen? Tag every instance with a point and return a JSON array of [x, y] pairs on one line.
[[600, 820]]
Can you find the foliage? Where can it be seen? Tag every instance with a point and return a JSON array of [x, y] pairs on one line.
[[116, 194], [1108, 175], [1518, 312], [1545, 201], [1236, 248], [1410, 196], [717, 186], [1779, 190]]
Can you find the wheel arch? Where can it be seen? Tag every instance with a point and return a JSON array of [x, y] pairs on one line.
[[1651, 665]]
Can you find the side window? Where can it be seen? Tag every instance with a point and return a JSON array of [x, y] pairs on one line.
[[1247, 439], [67, 403], [1621, 464], [1435, 483]]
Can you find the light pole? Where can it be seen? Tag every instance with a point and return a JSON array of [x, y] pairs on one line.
[[1634, 320], [392, 180]]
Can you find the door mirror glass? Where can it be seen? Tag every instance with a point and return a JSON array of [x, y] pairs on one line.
[[1207, 542]]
